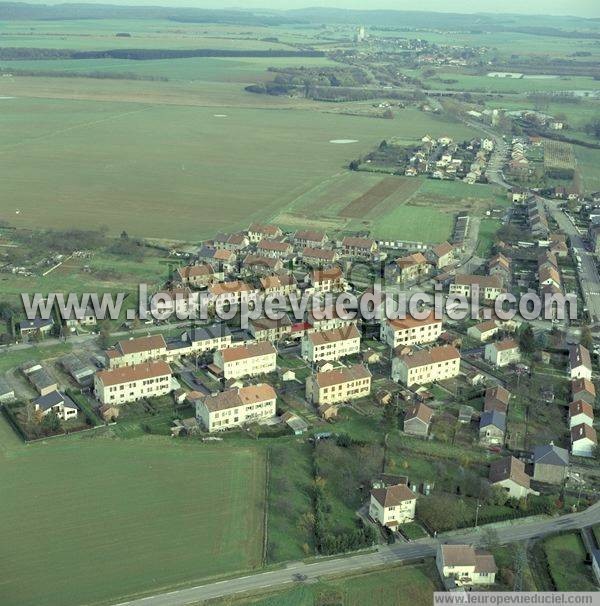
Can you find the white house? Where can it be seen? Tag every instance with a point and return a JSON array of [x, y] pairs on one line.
[[502, 353], [464, 565], [583, 441], [392, 505], [580, 363]]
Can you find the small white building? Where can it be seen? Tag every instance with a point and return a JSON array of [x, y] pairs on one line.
[[463, 565], [583, 441], [503, 353], [580, 363], [392, 505]]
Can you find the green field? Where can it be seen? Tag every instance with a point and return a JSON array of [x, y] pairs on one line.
[[576, 576], [94, 520], [400, 586]]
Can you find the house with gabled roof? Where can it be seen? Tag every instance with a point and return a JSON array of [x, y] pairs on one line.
[[464, 565], [248, 360], [274, 248], [492, 428], [417, 420], [338, 385], [442, 255], [58, 403], [496, 398], [410, 331], [580, 412], [357, 246], [583, 389], [426, 366], [584, 440], [411, 267], [129, 352], [580, 363], [502, 353], [260, 231], [331, 344], [509, 473], [310, 239], [550, 464], [393, 505]]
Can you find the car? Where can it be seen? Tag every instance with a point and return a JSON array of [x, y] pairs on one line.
[[299, 577]]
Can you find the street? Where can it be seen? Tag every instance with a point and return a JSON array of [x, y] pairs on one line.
[[423, 548]]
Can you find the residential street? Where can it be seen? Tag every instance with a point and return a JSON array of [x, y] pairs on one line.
[[518, 531]]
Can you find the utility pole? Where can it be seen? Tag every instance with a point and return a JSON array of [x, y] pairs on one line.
[[477, 513]]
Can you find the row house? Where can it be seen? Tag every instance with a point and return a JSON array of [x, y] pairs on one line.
[[583, 389], [327, 280], [442, 255], [412, 267], [310, 239], [331, 344], [580, 363], [584, 441], [280, 284], [356, 246], [580, 412], [426, 366], [328, 318], [131, 383], [236, 407], [198, 276], [232, 242], [220, 259], [258, 265], [319, 256], [490, 287], [266, 329], [137, 351], [258, 231], [338, 385], [207, 338], [246, 361], [410, 331], [231, 294], [179, 302], [274, 249]]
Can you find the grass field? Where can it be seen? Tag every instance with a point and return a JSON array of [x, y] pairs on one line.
[[100, 519], [576, 576], [399, 586], [65, 159]]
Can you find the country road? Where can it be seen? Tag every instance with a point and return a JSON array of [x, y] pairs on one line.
[[423, 548]]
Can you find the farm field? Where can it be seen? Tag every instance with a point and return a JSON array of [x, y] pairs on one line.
[[139, 515], [568, 548], [399, 586], [133, 159]]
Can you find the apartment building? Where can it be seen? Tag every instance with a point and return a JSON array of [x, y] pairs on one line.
[[280, 284], [265, 329], [137, 351], [206, 338], [236, 407], [411, 267], [319, 256], [198, 276], [331, 344], [426, 366], [338, 385], [410, 331], [131, 383], [327, 280], [226, 295], [310, 239], [246, 361], [274, 249], [392, 505], [258, 231], [490, 287], [354, 246]]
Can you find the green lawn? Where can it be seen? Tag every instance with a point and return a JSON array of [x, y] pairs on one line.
[[100, 519], [566, 560], [487, 232]]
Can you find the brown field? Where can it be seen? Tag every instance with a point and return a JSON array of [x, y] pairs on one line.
[[366, 203], [558, 155]]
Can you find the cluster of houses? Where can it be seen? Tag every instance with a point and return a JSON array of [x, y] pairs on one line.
[[443, 159]]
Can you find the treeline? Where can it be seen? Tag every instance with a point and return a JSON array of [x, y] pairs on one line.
[[145, 54], [99, 75]]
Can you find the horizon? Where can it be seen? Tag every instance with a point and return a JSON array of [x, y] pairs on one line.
[[588, 9]]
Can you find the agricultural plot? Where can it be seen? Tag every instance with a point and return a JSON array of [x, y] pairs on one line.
[[126, 515], [369, 201], [559, 159]]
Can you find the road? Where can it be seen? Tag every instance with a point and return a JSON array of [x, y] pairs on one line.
[[589, 279], [385, 555]]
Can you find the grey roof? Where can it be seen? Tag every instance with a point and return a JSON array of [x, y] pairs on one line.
[[76, 367], [207, 333], [495, 418], [548, 454], [52, 399], [5, 388], [35, 324], [41, 379], [206, 252]]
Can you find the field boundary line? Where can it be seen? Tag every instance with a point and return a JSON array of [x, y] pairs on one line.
[[266, 511]]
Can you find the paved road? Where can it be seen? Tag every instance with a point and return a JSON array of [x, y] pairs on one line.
[[588, 274], [518, 531]]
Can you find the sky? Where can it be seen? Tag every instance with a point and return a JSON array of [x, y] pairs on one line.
[[580, 8]]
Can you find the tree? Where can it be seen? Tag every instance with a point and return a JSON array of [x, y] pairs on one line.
[[104, 335], [527, 339], [51, 422], [390, 417], [587, 339], [442, 512]]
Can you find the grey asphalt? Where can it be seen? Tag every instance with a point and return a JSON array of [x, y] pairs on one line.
[[386, 555]]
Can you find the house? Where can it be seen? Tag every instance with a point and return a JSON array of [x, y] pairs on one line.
[[583, 389], [319, 256], [484, 331], [328, 318], [207, 338], [410, 331], [328, 412], [236, 407], [492, 428], [257, 232], [518, 194], [509, 473], [489, 288], [246, 361], [550, 464], [280, 284], [233, 242], [496, 398], [355, 246], [274, 249], [580, 412], [58, 403], [198, 276], [411, 267], [500, 265], [7, 393], [232, 294], [392, 505], [310, 239], [258, 265], [502, 353], [417, 420], [338, 385], [583, 441], [38, 326], [426, 366], [441, 255], [41, 380], [131, 383], [219, 259], [180, 301], [137, 351], [580, 363], [327, 280], [109, 413], [265, 329], [87, 318], [331, 344], [549, 276], [463, 565]]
